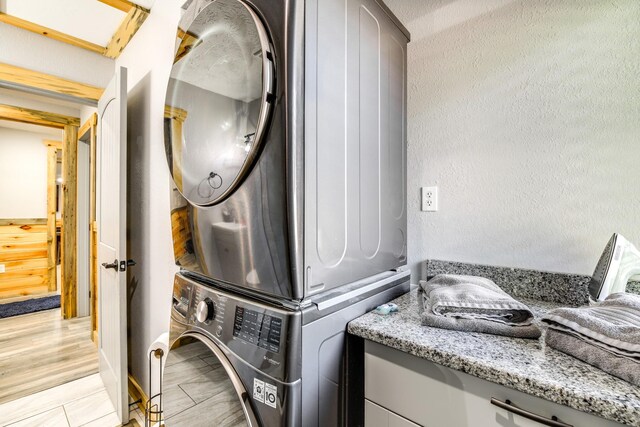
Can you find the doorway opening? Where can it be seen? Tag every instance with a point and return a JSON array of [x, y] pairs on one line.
[[48, 287]]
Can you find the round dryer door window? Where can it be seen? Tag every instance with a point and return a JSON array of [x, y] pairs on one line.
[[200, 388], [218, 99]]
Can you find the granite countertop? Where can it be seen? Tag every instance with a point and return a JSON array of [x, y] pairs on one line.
[[522, 364]]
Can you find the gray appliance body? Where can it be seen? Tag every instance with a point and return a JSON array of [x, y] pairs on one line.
[[319, 201], [241, 362]]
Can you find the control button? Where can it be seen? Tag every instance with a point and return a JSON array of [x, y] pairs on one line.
[[219, 331], [205, 310]]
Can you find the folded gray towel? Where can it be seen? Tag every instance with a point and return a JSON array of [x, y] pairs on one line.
[[474, 304], [612, 325], [622, 367]]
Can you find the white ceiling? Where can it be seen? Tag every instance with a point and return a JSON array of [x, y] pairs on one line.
[[46, 132], [39, 102], [88, 20]]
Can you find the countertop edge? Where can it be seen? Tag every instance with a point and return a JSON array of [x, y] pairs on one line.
[[613, 411]]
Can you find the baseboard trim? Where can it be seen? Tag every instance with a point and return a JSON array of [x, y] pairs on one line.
[[137, 393]]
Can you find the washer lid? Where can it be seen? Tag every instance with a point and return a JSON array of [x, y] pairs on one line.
[[218, 100]]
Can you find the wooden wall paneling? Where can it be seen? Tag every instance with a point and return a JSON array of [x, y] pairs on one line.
[[52, 247], [52, 34], [34, 79], [42, 118], [23, 251], [69, 285]]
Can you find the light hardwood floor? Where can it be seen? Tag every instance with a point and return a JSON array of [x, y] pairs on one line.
[[39, 351]]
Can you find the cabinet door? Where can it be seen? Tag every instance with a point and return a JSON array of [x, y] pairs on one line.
[[377, 416], [434, 396]]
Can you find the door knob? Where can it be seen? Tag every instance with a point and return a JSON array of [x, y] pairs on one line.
[[113, 265]]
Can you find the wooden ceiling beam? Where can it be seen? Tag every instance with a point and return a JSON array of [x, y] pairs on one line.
[[188, 42], [123, 5], [52, 34], [128, 28], [34, 79], [35, 117], [51, 143]]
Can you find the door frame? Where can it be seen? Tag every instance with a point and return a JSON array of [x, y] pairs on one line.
[[52, 203], [69, 125], [88, 134]]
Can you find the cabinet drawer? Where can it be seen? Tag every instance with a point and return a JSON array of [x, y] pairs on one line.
[[377, 416], [432, 395]]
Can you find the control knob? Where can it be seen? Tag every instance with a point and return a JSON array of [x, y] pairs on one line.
[[205, 310]]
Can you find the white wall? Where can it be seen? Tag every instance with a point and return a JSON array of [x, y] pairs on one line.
[[526, 114], [32, 51], [148, 58], [23, 173]]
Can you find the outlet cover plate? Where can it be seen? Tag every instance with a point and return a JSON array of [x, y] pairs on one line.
[[429, 199]]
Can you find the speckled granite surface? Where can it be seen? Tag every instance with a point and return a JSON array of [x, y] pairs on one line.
[[565, 289], [522, 364]]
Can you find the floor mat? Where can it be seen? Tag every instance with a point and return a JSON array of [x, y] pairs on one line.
[[29, 306]]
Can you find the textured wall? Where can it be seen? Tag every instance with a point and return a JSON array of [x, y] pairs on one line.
[[30, 50], [526, 114], [23, 173], [148, 58]]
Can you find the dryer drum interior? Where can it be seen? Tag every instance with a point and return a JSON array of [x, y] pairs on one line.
[[218, 101]]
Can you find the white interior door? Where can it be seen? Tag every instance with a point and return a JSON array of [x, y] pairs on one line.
[[111, 217]]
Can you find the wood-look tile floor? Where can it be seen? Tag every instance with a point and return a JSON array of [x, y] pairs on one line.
[[82, 402], [39, 351]]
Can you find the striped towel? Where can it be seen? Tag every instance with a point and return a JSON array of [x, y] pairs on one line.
[[605, 335]]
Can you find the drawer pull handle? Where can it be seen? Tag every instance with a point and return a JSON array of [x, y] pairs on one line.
[[552, 422]]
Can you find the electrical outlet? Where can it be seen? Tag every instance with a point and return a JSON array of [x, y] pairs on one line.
[[429, 199], [1, 268]]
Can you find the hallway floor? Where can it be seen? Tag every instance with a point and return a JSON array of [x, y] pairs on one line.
[[39, 351], [83, 402]]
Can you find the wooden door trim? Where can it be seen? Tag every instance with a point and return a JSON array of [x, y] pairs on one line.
[[88, 133], [69, 285], [52, 240]]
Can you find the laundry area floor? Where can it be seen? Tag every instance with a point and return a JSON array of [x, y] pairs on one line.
[[41, 350], [83, 402]]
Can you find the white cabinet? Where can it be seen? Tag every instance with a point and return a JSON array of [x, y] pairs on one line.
[[431, 395], [377, 416]]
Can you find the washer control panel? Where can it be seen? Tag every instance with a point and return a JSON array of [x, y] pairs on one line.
[[260, 334], [257, 328]]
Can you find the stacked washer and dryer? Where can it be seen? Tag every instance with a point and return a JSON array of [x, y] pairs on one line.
[[285, 134]]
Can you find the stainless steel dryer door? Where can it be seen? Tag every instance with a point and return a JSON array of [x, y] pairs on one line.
[[201, 388], [218, 99]]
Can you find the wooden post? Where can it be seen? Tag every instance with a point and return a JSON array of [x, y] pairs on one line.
[[52, 159], [69, 285]]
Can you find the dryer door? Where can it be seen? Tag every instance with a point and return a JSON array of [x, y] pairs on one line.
[[201, 388], [218, 99]]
